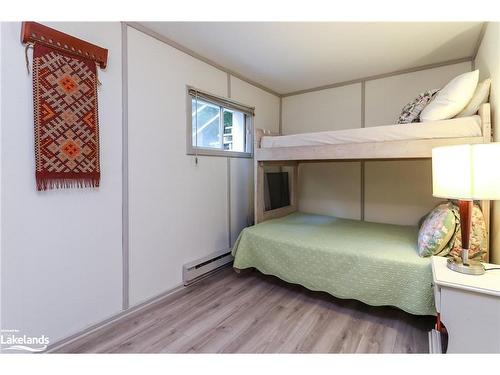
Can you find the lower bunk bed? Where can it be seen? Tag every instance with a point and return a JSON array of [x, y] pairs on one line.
[[375, 263]]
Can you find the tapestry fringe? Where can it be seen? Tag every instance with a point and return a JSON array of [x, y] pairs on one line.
[[65, 183]]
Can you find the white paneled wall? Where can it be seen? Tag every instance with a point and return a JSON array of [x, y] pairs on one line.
[[327, 188], [400, 192], [61, 254], [386, 97], [488, 63], [241, 190], [61, 249], [266, 105], [180, 211], [331, 189], [266, 117], [397, 192], [331, 109]]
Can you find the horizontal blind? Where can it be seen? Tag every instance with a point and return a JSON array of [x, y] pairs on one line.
[[224, 102]]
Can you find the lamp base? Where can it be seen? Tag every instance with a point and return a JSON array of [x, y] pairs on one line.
[[473, 268]]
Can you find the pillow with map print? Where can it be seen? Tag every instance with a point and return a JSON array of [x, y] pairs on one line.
[[411, 111], [436, 231]]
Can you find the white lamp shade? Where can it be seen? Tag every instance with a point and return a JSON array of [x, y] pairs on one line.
[[466, 171]]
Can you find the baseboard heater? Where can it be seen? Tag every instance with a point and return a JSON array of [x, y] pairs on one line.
[[193, 271]]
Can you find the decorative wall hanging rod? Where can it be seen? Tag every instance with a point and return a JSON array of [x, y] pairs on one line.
[[33, 32]]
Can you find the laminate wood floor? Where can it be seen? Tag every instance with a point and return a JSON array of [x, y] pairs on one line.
[[255, 313]]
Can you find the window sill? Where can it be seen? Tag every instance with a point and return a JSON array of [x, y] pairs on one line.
[[227, 154]]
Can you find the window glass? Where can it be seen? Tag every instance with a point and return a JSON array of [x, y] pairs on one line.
[[228, 130], [234, 130], [206, 125], [218, 126]]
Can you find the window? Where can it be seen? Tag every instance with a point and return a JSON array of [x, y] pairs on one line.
[[218, 126]]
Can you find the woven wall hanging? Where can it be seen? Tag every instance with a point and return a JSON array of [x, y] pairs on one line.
[[65, 118]]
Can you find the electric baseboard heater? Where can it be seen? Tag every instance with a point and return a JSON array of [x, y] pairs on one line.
[[196, 270]]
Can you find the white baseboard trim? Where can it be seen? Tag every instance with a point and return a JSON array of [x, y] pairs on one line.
[[125, 313]]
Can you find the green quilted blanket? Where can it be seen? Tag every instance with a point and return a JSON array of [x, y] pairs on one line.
[[377, 264]]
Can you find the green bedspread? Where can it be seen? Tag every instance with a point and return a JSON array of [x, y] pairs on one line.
[[377, 264]]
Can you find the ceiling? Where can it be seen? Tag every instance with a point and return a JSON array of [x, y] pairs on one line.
[[291, 56]]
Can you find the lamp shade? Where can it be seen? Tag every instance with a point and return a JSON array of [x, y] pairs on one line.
[[466, 171]]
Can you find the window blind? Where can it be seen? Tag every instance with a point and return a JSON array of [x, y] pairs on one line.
[[224, 102]]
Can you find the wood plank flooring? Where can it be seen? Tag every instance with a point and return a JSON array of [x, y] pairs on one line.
[[254, 313]]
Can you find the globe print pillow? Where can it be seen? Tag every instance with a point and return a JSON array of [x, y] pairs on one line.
[[436, 231], [411, 111]]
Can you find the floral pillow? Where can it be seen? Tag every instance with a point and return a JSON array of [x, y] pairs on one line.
[[436, 231], [411, 112], [478, 236]]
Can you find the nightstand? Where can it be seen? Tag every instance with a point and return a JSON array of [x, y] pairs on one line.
[[469, 308]]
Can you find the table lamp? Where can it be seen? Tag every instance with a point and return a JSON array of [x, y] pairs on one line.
[[466, 173]]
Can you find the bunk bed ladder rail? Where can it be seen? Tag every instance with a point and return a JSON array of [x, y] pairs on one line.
[[260, 213]]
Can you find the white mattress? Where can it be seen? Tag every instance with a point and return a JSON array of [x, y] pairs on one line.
[[454, 128]]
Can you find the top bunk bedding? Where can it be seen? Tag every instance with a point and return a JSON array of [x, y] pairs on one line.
[[453, 128]]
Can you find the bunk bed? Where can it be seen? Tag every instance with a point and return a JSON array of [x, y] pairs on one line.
[[375, 263]]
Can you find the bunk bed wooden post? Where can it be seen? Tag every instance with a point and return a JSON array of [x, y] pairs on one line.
[[258, 179], [485, 114], [259, 192], [260, 213]]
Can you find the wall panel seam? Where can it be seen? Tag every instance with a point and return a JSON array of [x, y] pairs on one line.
[[139, 27], [125, 179], [362, 163], [479, 41], [228, 167], [378, 76], [280, 119], [229, 235]]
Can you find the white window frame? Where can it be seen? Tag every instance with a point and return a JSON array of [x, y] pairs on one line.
[[222, 103]]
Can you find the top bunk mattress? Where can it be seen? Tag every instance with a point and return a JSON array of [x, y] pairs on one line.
[[454, 128]]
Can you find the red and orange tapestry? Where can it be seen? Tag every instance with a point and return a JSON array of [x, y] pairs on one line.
[[66, 120]]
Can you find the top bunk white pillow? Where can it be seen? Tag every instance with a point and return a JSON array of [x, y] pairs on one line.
[[480, 96], [452, 98]]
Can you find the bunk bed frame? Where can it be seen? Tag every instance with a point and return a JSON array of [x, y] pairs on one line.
[[292, 157]]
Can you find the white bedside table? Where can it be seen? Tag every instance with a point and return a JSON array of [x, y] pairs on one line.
[[469, 308]]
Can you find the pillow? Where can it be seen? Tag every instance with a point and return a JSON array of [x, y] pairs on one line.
[[411, 111], [436, 231], [480, 96], [478, 234], [452, 98]]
